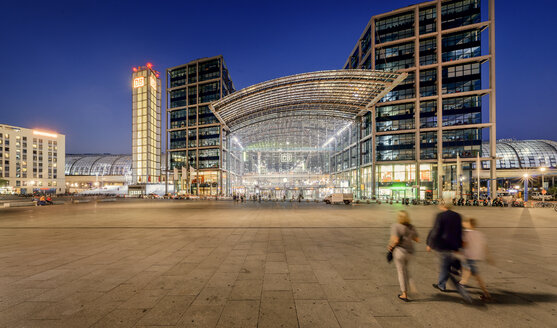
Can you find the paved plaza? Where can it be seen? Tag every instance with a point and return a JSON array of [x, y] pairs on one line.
[[220, 264]]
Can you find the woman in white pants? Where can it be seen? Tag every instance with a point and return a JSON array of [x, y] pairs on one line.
[[403, 236]]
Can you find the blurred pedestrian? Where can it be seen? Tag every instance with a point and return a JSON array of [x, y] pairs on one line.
[[474, 250], [445, 237], [403, 234]]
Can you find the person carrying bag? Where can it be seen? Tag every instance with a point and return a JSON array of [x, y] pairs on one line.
[[401, 248]]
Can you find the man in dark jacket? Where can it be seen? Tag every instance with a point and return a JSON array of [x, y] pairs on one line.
[[445, 237]]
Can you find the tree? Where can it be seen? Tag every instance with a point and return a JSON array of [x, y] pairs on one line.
[[3, 183]]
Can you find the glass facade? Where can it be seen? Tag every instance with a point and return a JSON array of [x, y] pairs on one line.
[[194, 133], [435, 113]]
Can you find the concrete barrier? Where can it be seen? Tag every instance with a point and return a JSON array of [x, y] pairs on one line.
[[106, 200], [19, 204]]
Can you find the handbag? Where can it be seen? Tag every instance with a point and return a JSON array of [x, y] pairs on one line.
[[390, 253], [389, 256]]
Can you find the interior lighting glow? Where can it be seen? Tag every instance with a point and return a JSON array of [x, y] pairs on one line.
[[328, 142], [337, 134], [343, 129], [237, 142], [44, 134]]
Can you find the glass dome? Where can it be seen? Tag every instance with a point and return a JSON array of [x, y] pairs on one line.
[[523, 154]]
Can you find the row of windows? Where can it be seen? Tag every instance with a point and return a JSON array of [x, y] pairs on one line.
[[394, 51], [198, 159], [395, 110], [188, 74], [405, 124], [396, 117], [188, 96], [460, 13], [192, 117], [394, 22], [395, 140]]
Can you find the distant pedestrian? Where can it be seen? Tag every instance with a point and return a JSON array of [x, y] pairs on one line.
[[474, 250], [445, 237], [403, 234]]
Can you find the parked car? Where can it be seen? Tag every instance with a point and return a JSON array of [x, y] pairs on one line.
[[338, 198]]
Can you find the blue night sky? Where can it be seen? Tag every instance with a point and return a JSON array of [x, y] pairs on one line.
[[67, 65]]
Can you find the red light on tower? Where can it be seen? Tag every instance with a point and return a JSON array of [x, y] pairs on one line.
[[149, 65], [134, 69]]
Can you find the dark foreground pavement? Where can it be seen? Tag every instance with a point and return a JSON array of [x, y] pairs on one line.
[[219, 264]]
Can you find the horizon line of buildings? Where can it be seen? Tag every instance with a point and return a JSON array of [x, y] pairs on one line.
[[426, 132]]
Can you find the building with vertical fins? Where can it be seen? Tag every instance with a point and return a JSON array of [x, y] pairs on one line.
[[194, 134], [441, 113], [146, 126]]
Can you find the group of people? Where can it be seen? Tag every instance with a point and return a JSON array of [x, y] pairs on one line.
[[42, 200], [457, 242]]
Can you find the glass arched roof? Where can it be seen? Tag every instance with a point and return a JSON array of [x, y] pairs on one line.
[[523, 154], [98, 165], [342, 94]]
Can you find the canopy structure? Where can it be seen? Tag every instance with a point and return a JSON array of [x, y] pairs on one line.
[[340, 94], [98, 164]]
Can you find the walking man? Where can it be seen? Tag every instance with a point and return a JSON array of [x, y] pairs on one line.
[[445, 237]]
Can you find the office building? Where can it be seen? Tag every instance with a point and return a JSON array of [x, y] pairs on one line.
[[428, 131], [194, 135], [31, 161], [146, 125]]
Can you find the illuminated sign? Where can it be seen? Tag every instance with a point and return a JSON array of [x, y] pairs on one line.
[[45, 134], [138, 82], [286, 157], [153, 82]]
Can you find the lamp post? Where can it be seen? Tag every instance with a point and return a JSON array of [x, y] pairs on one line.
[[461, 184], [525, 187], [543, 184]]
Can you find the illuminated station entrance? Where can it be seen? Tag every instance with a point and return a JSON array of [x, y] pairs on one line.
[[283, 136]]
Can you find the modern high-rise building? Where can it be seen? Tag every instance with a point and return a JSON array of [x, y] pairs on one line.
[[31, 161], [426, 134], [146, 125], [194, 135]]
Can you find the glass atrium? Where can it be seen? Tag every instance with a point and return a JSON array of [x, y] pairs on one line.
[[282, 134]]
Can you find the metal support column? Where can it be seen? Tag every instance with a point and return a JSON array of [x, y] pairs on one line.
[[417, 150], [359, 157], [492, 104], [373, 129], [439, 104]]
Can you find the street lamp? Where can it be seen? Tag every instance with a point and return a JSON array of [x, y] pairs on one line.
[[461, 182], [543, 184], [525, 187]]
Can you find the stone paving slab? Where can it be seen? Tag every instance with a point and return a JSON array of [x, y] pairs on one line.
[[220, 264]]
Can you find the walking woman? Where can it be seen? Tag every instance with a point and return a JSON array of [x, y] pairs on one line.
[[403, 234]]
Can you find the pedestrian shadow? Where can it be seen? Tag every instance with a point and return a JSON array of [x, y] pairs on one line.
[[499, 297], [504, 297], [454, 297]]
